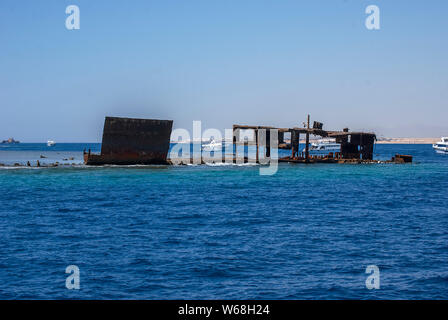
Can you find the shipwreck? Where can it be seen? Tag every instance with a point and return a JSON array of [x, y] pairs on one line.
[[128, 141]]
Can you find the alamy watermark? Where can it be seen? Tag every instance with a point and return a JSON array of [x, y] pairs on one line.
[[236, 146], [73, 21], [373, 278], [373, 20], [72, 282]]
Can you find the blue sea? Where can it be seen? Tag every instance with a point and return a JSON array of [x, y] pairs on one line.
[[223, 232]]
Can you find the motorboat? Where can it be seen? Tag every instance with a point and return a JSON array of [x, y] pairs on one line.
[[327, 144], [211, 145], [442, 145]]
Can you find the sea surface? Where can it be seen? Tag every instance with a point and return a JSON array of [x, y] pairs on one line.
[[222, 232]]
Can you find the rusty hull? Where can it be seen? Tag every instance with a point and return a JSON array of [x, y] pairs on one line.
[[128, 141], [402, 158]]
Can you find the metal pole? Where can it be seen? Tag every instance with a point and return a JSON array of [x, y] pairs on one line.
[[307, 151], [235, 151], [256, 141]]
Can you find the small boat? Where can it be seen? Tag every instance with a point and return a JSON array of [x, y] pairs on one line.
[[50, 143], [325, 145], [10, 141], [211, 145], [442, 145]]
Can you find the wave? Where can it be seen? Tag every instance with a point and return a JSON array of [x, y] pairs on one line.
[[222, 164]]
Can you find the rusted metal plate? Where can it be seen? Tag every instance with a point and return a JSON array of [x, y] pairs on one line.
[[133, 141], [317, 125], [401, 158]]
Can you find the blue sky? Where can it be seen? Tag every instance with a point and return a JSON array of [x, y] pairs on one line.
[[222, 62]]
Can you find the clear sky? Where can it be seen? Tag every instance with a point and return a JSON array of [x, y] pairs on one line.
[[223, 62]]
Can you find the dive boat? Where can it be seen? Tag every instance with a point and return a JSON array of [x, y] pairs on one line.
[[442, 145], [327, 144], [211, 145]]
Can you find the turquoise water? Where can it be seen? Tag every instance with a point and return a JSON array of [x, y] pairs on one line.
[[197, 232]]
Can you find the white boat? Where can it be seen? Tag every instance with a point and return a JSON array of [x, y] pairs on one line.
[[442, 145], [50, 143], [327, 144], [211, 145]]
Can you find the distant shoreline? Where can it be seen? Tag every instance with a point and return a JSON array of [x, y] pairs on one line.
[[379, 141], [408, 141]]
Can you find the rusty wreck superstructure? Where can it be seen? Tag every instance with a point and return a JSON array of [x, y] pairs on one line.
[[355, 146], [128, 141]]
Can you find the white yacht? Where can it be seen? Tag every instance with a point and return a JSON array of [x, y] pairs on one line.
[[327, 144], [211, 145], [442, 145], [50, 143]]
